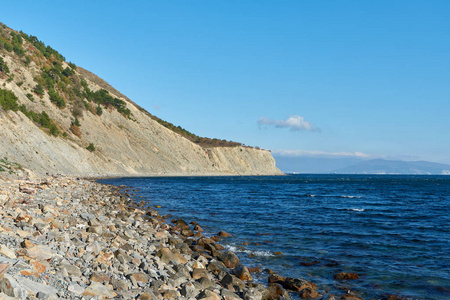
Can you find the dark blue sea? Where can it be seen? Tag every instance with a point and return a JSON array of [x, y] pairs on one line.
[[393, 231]]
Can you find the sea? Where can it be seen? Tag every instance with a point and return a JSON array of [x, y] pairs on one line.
[[393, 231]]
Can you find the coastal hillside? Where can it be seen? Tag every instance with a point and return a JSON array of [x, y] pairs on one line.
[[59, 118]]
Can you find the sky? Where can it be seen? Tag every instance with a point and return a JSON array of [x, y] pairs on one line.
[[339, 78]]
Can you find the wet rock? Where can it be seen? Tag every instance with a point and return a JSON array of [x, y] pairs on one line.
[[309, 293], [181, 224], [229, 259], [198, 228], [346, 276], [294, 284], [255, 270], [275, 291], [350, 297], [224, 234], [242, 273]]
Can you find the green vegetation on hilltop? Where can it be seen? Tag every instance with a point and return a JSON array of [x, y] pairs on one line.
[[201, 141], [67, 89]]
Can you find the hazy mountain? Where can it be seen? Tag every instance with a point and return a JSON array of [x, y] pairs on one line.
[[381, 166], [307, 164]]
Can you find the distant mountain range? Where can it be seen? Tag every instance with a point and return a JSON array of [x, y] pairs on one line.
[[355, 165], [381, 166]]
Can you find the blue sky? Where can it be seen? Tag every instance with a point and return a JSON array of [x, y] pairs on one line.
[[367, 78]]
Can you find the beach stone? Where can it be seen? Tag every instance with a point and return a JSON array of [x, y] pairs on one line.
[[70, 269], [208, 295], [205, 282], [242, 273], [181, 224], [256, 293], [100, 277], [188, 290], [275, 291], [229, 295], [224, 234], [199, 273], [20, 287], [309, 293], [12, 288], [119, 284], [350, 297], [7, 252], [142, 277], [229, 259], [75, 288], [218, 268], [98, 289], [294, 284], [94, 247], [202, 241], [198, 228], [3, 268], [27, 244], [147, 296], [37, 266], [39, 252], [167, 255], [231, 282], [95, 229], [346, 276], [6, 297]]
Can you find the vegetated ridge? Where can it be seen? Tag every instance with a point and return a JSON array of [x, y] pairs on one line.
[[57, 117]]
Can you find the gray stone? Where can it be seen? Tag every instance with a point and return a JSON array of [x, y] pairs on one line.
[[76, 289], [188, 290], [229, 295], [70, 269]]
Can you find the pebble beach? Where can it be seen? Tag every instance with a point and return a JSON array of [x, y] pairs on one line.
[[70, 238]]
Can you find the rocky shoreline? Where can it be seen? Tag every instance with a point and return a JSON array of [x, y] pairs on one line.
[[71, 238]]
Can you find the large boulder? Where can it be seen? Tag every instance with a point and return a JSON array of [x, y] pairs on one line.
[[229, 259]]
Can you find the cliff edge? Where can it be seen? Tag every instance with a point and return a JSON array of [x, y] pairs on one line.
[[58, 118]]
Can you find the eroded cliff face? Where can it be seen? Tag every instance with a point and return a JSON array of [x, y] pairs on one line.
[[123, 146]]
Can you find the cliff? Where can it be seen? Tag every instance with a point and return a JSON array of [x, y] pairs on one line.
[[53, 111]]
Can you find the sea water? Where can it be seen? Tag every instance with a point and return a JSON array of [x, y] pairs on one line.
[[393, 231]]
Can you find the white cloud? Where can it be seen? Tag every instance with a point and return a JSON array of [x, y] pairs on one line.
[[294, 123], [297, 153]]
